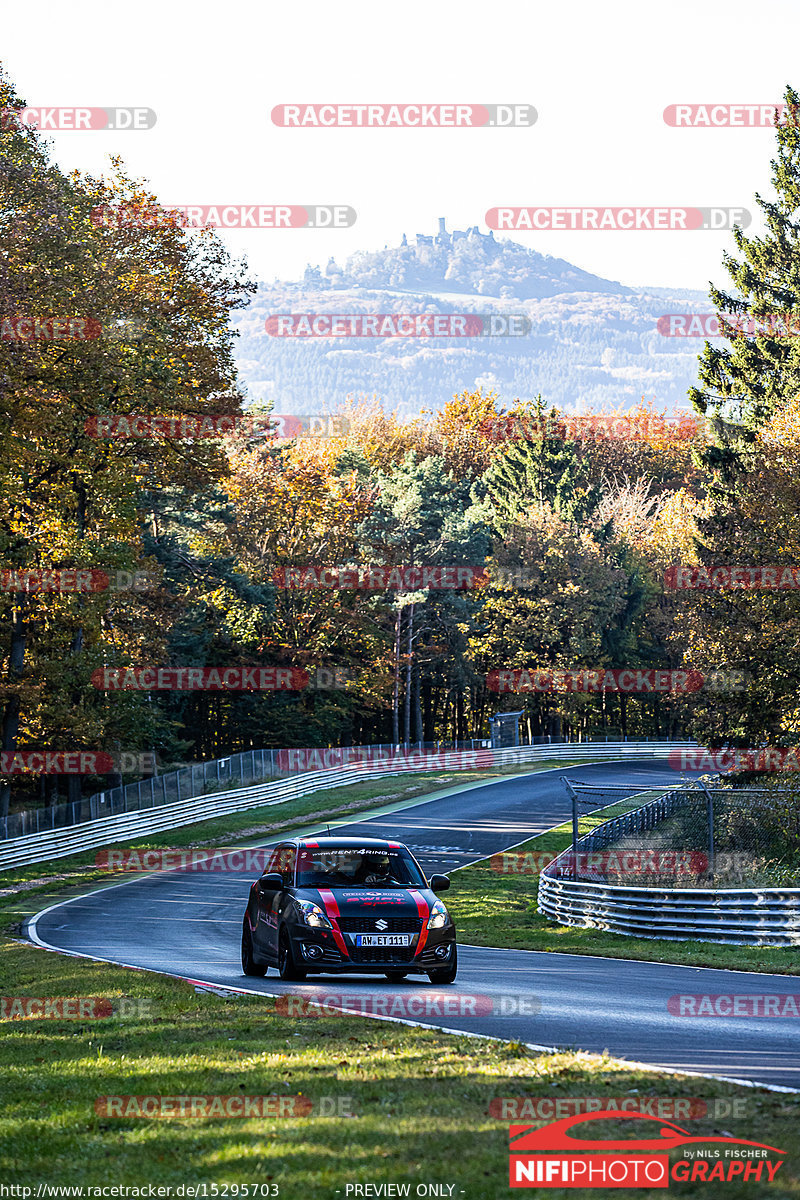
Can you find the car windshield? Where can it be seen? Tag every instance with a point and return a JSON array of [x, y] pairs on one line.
[[357, 866]]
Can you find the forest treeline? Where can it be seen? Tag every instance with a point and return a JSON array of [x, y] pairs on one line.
[[574, 535]]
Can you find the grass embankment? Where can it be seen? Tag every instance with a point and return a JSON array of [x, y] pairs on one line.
[[495, 909], [420, 1100]]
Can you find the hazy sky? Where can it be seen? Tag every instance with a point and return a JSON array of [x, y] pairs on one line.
[[599, 76]]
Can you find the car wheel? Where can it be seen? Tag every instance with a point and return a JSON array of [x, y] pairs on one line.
[[395, 976], [446, 974], [286, 964], [249, 965]]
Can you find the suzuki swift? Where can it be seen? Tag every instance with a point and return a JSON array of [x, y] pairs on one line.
[[356, 905]]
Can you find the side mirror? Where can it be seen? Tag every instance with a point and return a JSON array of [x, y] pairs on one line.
[[439, 883], [273, 882]]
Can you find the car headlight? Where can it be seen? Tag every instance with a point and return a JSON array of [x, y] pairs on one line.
[[313, 915], [438, 917]]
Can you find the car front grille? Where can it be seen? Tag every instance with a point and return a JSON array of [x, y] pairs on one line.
[[382, 954], [368, 924]]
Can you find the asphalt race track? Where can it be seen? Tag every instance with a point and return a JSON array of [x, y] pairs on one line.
[[190, 924]]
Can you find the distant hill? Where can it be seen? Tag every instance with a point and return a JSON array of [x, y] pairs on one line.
[[593, 342]]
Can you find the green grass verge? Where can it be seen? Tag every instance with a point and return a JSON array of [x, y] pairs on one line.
[[421, 1100], [494, 909]]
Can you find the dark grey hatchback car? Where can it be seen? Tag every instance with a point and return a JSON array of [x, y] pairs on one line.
[[358, 905]]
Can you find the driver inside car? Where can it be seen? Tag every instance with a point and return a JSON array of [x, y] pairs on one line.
[[375, 871]]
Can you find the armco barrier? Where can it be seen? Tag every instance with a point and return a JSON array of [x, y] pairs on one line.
[[759, 917], [90, 835], [744, 916]]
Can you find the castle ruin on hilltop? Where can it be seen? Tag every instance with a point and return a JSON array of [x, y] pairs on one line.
[[315, 277], [443, 238]]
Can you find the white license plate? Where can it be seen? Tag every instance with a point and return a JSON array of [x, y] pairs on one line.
[[383, 939]]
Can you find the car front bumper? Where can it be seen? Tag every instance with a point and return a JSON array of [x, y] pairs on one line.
[[317, 950]]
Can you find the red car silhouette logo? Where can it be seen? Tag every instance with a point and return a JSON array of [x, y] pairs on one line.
[[527, 1138]]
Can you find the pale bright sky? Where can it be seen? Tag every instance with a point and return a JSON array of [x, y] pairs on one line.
[[599, 75]]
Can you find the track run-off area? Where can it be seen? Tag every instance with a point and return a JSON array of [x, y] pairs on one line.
[[189, 924]]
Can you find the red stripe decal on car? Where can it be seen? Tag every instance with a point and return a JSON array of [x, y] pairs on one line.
[[332, 913], [424, 912]]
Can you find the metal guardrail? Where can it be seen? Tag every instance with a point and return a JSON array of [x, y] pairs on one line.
[[742, 916], [758, 917], [200, 779], [90, 835]]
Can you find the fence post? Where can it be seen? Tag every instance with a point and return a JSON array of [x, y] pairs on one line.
[[710, 815], [575, 830]]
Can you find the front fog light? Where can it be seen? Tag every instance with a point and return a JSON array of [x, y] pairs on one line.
[[311, 951], [442, 952]]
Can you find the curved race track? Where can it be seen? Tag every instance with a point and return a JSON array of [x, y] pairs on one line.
[[190, 923]]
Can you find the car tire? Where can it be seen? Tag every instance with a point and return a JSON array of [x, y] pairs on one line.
[[446, 974], [249, 964], [395, 976], [287, 968]]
